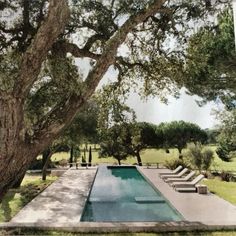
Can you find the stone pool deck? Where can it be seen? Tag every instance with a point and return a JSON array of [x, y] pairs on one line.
[[62, 202], [60, 207], [208, 208]]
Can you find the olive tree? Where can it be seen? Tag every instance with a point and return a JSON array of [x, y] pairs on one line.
[[200, 157]]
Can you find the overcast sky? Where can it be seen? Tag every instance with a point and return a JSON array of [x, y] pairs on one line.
[[153, 111], [185, 108]]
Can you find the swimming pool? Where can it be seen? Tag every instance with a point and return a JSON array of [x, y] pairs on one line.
[[122, 194]]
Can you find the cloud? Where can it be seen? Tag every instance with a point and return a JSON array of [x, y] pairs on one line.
[[185, 108]]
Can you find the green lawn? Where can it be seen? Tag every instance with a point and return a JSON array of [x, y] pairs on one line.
[[152, 156], [222, 165], [15, 199], [148, 156], [225, 190]]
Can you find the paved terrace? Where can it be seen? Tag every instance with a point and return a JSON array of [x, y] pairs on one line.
[[60, 207], [208, 208], [62, 202]]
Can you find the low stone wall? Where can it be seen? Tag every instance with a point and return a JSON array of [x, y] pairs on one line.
[[122, 227]]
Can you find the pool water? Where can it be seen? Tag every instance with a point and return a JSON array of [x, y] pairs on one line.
[[122, 194]]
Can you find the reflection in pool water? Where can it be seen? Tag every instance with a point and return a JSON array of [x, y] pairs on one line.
[[122, 194]]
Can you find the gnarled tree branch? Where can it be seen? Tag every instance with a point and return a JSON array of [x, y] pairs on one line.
[[47, 34], [55, 121], [75, 50], [93, 39], [108, 56]]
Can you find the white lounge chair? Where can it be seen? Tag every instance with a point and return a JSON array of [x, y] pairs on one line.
[[187, 184], [180, 174], [173, 172], [184, 179]]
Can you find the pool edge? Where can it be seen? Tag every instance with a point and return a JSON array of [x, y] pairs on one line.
[[91, 186], [166, 199]]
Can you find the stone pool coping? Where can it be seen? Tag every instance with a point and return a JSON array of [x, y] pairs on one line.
[[57, 213], [209, 209], [121, 227]]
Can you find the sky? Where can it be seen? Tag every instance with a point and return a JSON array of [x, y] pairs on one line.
[[185, 108], [153, 111]]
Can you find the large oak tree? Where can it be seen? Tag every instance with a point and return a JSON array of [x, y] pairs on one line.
[[40, 41]]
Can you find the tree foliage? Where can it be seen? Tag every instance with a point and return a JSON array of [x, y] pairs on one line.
[[178, 133], [113, 143], [131, 138], [142, 135], [212, 135], [227, 137], [114, 120], [215, 75], [210, 66], [200, 157]]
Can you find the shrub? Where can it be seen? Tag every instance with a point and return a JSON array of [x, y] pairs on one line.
[[194, 152], [38, 165], [223, 153], [227, 176], [208, 157], [63, 162], [83, 161], [172, 164], [199, 157]]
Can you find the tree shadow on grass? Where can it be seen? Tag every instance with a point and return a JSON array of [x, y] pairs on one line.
[[15, 199]]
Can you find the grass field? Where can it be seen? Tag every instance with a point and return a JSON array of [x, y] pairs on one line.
[[148, 156], [152, 156], [15, 199], [225, 190]]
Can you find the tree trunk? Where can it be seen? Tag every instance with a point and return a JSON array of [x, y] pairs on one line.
[[16, 152], [85, 154], [139, 159], [71, 155], [19, 181], [180, 153], [11, 143], [45, 155], [119, 162], [90, 157], [14, 170], [46, 159]]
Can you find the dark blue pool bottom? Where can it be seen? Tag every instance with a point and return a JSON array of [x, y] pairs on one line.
[[122, 194]]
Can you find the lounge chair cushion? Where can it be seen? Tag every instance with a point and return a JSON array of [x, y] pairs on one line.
[[188, 184], [181, 173], [184, 179], [173, 172]]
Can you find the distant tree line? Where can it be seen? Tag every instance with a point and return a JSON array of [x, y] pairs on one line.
[[122, 140]]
